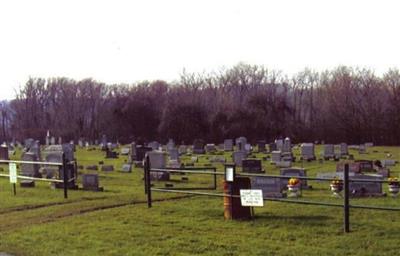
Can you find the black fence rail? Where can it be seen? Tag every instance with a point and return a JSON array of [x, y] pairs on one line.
[[346, 197], [65, 181]]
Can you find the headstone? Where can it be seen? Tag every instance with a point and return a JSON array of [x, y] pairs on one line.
[[210, 148], [29, 170], [217, 159], [132, 156], [92, 167], [369, 144], [59, 140], [228, 145], [261, 146], [52, 140], [80, 143], [247, 148], [47, 140], [283, 164], [91, 182], [158, 159], [125, 151], [294, 172], [141, 152], [271, 187], [279, 144], [287, 145], [353, 167], [240, 142], [238, 157], [103, 142], [107, 168], [182, 149], [170, 144], [198, 147], [126, 168], [174, 154], [363, 188], [252, 166], [276, 156], [329, 151], [35, 149], [29, 143], [68, 150], [365, 165], [272, 147], [344, 150], [388, 162], [307, 151], [362, 149], [4, 153], [154, 145]]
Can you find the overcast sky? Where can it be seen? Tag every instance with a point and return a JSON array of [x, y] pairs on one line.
[[127, 41]]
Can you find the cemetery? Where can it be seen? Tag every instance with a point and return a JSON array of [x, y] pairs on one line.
[[190, 185]]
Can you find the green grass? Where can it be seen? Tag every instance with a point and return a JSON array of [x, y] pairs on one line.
[[117, 221]]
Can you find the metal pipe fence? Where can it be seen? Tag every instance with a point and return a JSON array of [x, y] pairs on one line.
[[346, 198], [65, 181]]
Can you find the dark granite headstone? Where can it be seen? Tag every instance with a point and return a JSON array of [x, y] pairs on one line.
[[4, 153], [252, 166], [91, 182], [271, 187], [294, 172]]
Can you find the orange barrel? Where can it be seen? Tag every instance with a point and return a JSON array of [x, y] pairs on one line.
[[233, 208], [227, 200]]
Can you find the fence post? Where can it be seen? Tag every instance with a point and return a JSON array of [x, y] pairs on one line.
[[147, 180], [215, 178], [346, 199], [65, 177]]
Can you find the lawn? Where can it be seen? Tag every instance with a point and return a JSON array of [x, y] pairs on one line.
[[40, 221]]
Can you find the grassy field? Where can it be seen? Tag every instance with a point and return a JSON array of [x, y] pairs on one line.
[[39, 221]]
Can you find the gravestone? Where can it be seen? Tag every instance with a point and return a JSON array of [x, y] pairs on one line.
[[28, 143], [107, 168], [126, 168], [344, 149], [328, 151], [158, 159], [283, 164], [111, 154], [365, 165], [363, 188], [228, 145], [276, 156], [68, 150], [170, 145], [272, 147], [353, 167], [103, 142], [198, 147], [53, 141], [279, 144], [238, 157], [4, 153], [174, 154], [125, 151], [240, 142], [29, 170], [210, 148], [59, 140], [287, 145], [271, 187], [141, 152], [92, 167], [217, 159], [362, 149], [307, 151], [91, 182], [132, 156], [80, 143], [388, 162], [154, 145], [294, 172], [252, 166], [35, 149], [247, 148], [182, 149], [261, 146], [47, 140]]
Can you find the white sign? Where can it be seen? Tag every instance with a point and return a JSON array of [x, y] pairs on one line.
[[13, 172], [229, 174], [251, 197]]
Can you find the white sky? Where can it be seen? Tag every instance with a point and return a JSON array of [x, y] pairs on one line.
[[127, 41]]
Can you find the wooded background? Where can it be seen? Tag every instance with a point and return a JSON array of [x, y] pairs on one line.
[[341, 105]]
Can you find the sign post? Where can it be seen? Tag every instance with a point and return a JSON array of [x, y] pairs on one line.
[[13, 176]]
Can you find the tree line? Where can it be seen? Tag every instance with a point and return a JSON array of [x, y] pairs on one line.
[[344, 104]]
